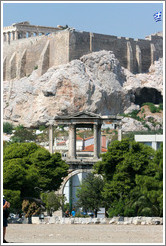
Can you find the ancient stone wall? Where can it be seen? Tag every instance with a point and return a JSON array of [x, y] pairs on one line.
[[136, 55], [22, 56]]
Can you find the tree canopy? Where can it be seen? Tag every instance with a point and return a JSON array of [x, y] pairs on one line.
[[89, 194], [27, 165], [132, 175]]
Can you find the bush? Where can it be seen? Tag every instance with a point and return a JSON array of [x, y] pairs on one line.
[[160, 106], [133, 115], [117, 209], [41, 128], [19, 127], [129, 212], [7, 127], [153, 108]]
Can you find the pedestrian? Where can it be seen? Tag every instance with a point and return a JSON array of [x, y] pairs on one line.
[[73, 213], [6, 205], [67, 213]]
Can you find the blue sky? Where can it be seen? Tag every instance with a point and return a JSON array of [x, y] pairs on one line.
[[130, 19]]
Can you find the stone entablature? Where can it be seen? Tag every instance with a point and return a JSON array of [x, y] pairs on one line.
[[25, 30]]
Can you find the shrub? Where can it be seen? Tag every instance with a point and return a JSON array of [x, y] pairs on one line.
[[7, 127], [160, 106], [19, 127], [42, 127], [117, 209], [133, 115], [153, 108], [143, 110]]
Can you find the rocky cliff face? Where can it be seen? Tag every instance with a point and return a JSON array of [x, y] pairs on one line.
[[95, 83]]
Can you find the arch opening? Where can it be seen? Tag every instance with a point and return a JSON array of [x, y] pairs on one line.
[[70, 186]]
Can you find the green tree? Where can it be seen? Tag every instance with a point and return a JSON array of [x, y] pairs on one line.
[[130, 172], [7, 127], [90, 193], [27, 166], [22, 135], [15, 200], [53, 201]]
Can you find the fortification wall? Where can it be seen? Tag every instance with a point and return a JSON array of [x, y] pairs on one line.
[[22, 56], [136, 55]]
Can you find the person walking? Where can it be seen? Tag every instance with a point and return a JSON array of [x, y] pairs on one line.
[[73, 213], [6, 205]]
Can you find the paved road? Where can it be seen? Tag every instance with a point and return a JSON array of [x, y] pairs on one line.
[[77, 233]]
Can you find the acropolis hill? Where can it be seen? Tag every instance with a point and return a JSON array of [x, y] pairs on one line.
[[52, 71], [27, 47]]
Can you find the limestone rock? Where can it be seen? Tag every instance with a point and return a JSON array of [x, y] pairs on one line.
[[152, 79], [94, 83], [129, 124]]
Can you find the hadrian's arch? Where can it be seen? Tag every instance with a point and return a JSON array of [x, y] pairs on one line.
[[79, 165]]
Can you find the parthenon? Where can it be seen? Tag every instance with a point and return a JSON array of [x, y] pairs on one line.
[[24, 30]]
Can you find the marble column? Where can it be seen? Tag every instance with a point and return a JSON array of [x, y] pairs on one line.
[[72, 141], [95, 129], [16, 35], [4, 37], [8, 37], [99, 139], [12, 36], [51, 139]]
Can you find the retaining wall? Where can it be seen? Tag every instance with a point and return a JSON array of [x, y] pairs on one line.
[[115, 220], [22, 56]]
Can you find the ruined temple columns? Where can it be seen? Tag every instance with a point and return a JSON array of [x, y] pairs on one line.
[[16, 35], [8, 37]]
